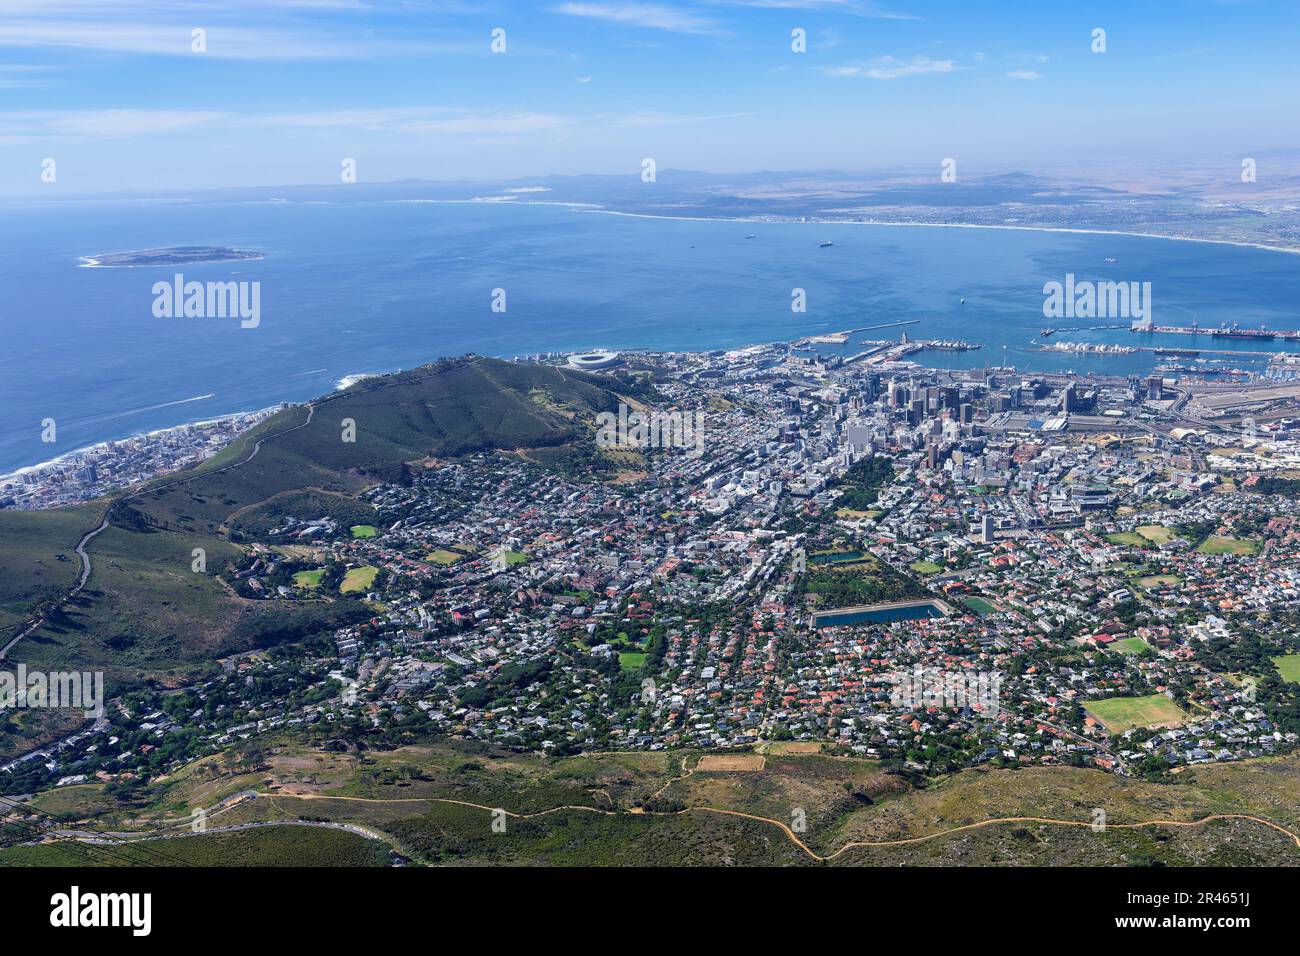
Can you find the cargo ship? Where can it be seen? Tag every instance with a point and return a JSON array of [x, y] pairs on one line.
[[1237, 332]]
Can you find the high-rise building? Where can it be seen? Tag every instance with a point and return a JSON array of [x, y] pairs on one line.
[[1068, 399]]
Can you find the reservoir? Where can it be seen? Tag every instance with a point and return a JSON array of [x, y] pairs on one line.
[[880, 613]]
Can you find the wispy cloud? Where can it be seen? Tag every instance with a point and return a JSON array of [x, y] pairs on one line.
[[15, 76], [1024, 74], [646, 120], [857, 8], [892, 68], [110, 124], [448, 122], [652, 15], [221, 42]]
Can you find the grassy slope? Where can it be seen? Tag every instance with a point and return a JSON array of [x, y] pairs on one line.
[[30, 570], [144, 613], [271, 846], [843, 799]]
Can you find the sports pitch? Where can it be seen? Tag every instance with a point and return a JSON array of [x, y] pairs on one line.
[[1121, 714]]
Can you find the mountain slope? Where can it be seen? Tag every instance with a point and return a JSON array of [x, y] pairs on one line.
[[145, 613]]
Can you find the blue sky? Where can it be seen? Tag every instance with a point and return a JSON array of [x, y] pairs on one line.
[[112, 90]]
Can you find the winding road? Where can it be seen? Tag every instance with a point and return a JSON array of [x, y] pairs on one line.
[[89, 536]]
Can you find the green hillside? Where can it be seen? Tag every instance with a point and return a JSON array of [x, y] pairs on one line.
[[144, 612], [452, 408]]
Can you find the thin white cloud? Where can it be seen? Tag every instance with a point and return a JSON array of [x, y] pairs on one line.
[[653, 15], [857, 8], [82, 125], [646, 120], [892, 68], [15, 76], [1024, 74], [112, 124], [221, 42]]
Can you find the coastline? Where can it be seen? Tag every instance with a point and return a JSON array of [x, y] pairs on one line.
[[578, 207], [1291, 250], [102, 445]]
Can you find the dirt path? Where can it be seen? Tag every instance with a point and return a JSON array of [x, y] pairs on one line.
[[783, 827], [89, 536]]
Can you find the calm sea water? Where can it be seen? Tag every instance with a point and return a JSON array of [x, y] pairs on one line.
[[369, 287]]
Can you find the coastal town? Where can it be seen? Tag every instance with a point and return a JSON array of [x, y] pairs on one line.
[[856, 540], [99, 469]]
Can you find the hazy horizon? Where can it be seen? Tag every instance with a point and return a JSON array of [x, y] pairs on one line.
[[146, 96]]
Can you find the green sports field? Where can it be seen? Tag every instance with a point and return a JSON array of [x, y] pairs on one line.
[[364, 531], [631, 660], [358, 579], [1120, 714], [1131, 538], [1133, 645], [1156, 533], [308, 579], [1220, 544], [1289, 667]]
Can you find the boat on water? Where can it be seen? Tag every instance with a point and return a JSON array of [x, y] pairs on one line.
[[1235, 331], [1046, 332], [751, 236], [827, 244], [1112, 260]]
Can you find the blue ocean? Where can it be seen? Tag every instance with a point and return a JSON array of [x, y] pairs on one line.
[[359, 287]]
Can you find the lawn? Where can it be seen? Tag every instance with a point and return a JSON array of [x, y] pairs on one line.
[[308, 579], [1160, 580], [926, 567], [1156, 534], [358, 579], [978, 605], [1120, 714], [631, 660], [1127, 537], [1220, 544], [1133, 645], [364, 531], [516, 557], [1289, 667], [444, 557]]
